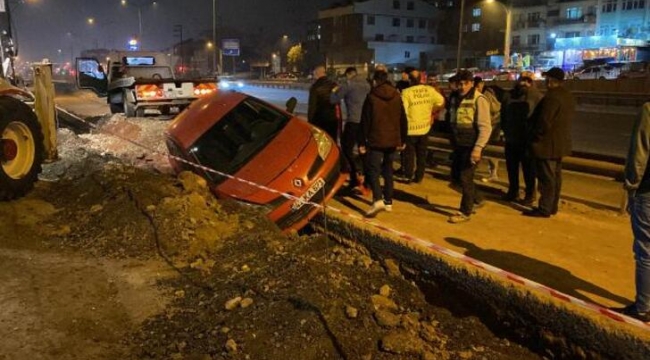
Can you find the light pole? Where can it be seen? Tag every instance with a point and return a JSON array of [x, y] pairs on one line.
[[214, 37], [125, 3], [460, 34], [506, 41]]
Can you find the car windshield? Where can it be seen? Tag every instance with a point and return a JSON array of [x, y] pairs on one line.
[[238, 137]]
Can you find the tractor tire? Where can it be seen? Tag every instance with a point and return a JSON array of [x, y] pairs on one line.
[[21, 148]]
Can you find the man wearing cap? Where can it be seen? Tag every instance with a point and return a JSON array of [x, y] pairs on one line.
[[551, 141], [471, 128], [518, 106]]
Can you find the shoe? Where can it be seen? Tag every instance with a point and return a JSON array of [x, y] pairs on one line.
[[509, 197], [417, 180], [377, 206], [399, 172], [489, 179], [632, 312], [535, 213], [458, 217], [479, 204], [389, 207], [528, 201]]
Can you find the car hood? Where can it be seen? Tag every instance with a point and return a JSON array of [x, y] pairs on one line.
[[277, 158]]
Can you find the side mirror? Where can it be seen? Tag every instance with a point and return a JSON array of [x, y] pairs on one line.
[[291, 104]]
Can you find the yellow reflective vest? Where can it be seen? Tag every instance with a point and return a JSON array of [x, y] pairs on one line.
[[420, 101]]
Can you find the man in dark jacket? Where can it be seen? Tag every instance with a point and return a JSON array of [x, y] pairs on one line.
[[518, 106], [637, 183], [383, 131], [321, 112], [551, 141]]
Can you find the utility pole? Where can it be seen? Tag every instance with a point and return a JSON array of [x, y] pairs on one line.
[[178, 30], [460, 34], [215, 47]]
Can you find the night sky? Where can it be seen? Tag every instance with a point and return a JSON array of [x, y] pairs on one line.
[[58, 29]]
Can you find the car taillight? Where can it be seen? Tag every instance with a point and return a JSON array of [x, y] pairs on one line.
[[149, 91], [204, 89]]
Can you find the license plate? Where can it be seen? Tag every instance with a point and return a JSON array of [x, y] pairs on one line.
[[302, 200]]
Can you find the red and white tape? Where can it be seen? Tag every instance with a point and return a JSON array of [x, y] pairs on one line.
[[510, 277]]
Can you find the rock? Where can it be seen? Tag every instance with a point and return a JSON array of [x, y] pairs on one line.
[[179, 294], [96, 208], [387, 318], [364, 260], [401, 343], [464, 354], [192, 182], [245, 268], [233, 303], [385, 291], [225, 330], [392, 267], [151, 208], [382, 302], [246, 302], [430, 334], [351, 312], [231, 346], [411, 321]]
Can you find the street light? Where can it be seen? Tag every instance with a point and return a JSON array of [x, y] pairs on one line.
[[506, 41], [125, 3]]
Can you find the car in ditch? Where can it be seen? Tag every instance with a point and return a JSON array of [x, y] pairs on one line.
[[245, 146]]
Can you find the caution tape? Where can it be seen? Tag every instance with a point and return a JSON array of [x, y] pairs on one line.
[[503, 274]]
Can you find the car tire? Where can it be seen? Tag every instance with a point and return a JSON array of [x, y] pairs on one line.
[[19, 122], [602, 78], [129, 108]]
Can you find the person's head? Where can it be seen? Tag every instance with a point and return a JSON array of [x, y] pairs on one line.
[[554, 77], [478, 83], [453, 83], [381, 67], [405, 73], [379, 77], [526, 79], [465, 81], [350, 72], [414, 77], [319, 71]]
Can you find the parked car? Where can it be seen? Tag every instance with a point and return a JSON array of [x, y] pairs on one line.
[[446, 76], [596, 72], [286, 76], [230, 83], [239, 135]]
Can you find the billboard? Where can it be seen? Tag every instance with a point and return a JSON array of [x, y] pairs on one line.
[[230, 47]]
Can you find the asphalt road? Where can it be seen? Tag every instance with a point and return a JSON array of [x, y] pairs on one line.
[[596, 130]]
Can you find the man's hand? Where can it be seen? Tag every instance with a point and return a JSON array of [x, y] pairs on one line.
[[476, 156], [401, 147], [362, 149]]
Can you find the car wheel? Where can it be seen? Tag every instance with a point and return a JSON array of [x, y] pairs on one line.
[[602, 78], [129, 108]]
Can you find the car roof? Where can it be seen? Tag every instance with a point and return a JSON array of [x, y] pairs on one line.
[[201, 115]]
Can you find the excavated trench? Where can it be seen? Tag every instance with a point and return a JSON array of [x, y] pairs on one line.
[[549, 327]]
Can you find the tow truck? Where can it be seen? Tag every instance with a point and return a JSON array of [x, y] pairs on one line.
[[27, 120]]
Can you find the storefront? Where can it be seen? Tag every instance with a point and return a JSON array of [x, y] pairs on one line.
[[577, 50]]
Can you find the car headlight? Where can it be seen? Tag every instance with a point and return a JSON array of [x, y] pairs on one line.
[[224, 84], [240, 84], [322, 141]]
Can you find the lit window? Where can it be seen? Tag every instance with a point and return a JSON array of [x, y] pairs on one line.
[[476, 12], [574, 13], [476, 27]]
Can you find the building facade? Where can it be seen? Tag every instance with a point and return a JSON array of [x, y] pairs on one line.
[[395, 33]]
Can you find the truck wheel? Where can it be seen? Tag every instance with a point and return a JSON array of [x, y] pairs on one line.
[[21, 148], [129, 108], [116, 108], [139, 112]]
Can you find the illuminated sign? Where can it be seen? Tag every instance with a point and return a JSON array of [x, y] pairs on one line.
[[596, 42], [230, 47]]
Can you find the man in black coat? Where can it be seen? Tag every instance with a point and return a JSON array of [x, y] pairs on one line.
[[320, 111], [551, 141]]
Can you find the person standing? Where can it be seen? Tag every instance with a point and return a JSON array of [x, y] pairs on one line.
[[353, 93], [421, 103], [451, 104], [404, 82], [551, 141], [383, 132], [519, 104], [495, 119], [471, 129], [320, 111], [637, 183]]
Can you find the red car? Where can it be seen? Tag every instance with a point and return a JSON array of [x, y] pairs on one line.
[[240, 135]]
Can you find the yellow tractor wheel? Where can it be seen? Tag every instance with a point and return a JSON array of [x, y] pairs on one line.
[[21, 148]]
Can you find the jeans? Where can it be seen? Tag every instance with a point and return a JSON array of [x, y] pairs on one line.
[[640, 219], [549, 175], [348, 141], [516, 154], [463, 154], [415, 153], [380, 161]]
